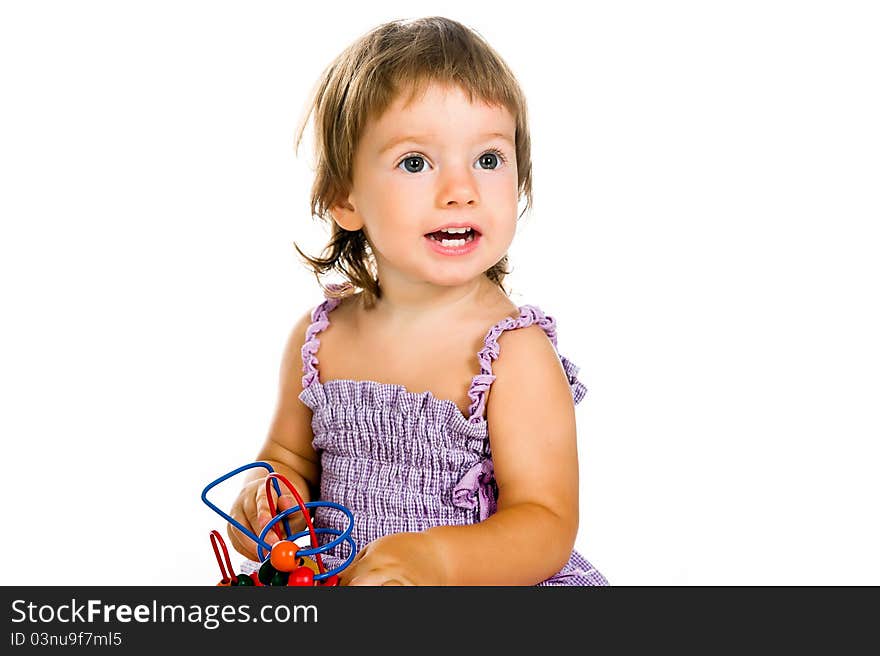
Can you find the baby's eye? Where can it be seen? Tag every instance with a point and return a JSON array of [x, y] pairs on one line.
[[413, 163], [488, 161], [491, 159]]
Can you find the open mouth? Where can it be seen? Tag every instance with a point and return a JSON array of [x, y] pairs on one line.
[[454, 241], [453, 237]]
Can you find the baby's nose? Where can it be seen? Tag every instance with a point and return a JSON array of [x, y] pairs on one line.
[[458, 187]]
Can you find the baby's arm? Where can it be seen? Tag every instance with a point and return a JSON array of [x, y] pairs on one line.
[[531, 420], [288, 448]]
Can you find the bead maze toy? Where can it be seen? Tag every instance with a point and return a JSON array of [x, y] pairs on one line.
[[287, 563]]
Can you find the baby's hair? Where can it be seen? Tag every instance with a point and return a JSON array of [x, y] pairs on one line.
[[360, 84]]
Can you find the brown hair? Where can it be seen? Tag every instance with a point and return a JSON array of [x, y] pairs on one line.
[[360, 84]]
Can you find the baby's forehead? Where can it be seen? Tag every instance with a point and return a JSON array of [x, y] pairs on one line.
[[439, 104], [438, 117]]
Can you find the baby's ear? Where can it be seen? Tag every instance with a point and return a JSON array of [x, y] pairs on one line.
[[346, 216]]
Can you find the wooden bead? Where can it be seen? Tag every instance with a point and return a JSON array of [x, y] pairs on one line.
[[266, 572], [306, 561], [225, 583], [302, 576], [283, 556], [279, 578]]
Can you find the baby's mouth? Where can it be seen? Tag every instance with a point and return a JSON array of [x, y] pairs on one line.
[[453, 239]]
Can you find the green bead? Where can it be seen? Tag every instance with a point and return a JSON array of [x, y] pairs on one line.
[[244, 579], [266, 572], [280, 578]]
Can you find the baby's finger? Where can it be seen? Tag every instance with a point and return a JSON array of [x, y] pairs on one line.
[[286, 501], [362, 581], [251, 519], [295, 520], [373, 579], [237, 513], [271, 537], [241, 543], [359, 556], [264, 516]]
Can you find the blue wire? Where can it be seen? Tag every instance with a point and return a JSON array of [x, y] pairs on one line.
[[232, 521], [313, 504], [344, 536], [352, 550], [262, 545]]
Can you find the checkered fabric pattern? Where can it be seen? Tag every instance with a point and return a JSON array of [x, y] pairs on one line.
[[406, 461]]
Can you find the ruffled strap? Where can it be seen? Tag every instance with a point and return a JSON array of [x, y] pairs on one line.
[[320, 321], [528, 315]]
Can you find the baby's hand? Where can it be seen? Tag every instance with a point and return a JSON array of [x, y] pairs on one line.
[[397, 559], [251, 508]]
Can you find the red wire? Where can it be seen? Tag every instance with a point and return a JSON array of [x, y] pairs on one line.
[[302, 507], [214, 537]]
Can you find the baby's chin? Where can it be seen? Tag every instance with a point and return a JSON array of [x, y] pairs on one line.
[[474, 275]]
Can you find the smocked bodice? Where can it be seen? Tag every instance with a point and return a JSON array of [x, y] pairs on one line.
[[407, 461]]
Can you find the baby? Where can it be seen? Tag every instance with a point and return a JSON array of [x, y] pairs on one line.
[[441, 413]]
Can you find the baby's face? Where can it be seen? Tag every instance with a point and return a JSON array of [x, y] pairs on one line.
[[440, 160]]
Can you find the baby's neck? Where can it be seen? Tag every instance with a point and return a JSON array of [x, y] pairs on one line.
[[406, 305]]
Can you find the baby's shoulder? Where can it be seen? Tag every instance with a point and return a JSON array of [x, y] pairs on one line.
[[335, 310], [530, 380], [345, 312], [525, 346], [527, 353], [305, 318], [296, 339]]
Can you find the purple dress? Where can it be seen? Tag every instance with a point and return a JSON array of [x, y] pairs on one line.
[[406, 461]]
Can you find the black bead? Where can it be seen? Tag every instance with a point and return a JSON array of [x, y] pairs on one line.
[[280, 578], [266, 572]]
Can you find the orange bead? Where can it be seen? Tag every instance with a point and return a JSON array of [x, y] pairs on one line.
[[283, 556]]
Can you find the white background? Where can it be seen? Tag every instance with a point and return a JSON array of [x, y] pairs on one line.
[[705, 231]]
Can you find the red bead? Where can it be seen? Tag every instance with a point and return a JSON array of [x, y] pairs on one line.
[[283, 556], [256, 577], [330, 581], [301, 576]]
